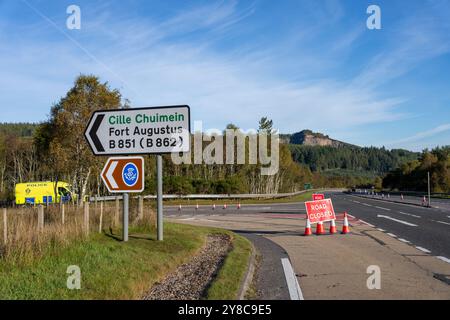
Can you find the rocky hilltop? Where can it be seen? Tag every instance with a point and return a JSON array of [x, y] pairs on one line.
[[310, 138]]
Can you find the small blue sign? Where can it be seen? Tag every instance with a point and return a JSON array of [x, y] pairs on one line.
[[130, 174]]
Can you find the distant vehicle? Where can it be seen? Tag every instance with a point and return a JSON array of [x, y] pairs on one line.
[[43, 192]]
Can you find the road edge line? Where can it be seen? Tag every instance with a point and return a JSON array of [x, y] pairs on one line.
[[291, 279]]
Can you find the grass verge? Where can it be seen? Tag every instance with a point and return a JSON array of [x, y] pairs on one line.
[[109, 268], [228, 281]]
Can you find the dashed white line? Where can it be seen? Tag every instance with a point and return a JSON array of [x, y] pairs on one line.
[[423, 249], [441, 222], [382, 230], [444, 259], [383, 208], [397, 220], [295, 291], [403, 240], [367, 205], [392, 235], [409, 214], [366, 223]]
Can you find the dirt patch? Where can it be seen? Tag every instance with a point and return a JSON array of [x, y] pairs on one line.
[[191, 280]]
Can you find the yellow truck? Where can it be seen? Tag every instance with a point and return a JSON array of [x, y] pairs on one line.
[[43, 192]]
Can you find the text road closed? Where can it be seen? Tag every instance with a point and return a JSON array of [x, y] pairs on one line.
[[320, 210]]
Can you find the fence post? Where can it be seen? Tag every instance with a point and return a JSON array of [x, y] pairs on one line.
[[116, 218], [101, 218], [40, 218], [62, 213], [5, 226], [86, 218], [141, 208]]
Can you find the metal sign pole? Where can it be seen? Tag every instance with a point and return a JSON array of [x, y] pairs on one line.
[[159, 196], [125, 217]]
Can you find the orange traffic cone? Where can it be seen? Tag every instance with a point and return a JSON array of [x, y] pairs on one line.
[[345, 227], [319, 228], [214, 206], [196, 206], [239, 206], [225, 206], [308, 230], [179, 207], [333, 227]]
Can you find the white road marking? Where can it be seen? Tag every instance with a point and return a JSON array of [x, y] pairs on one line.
[[444, 259], [397, 220], [392, 235], [370, 225], [423, 249], [409, 214], [442, 222], [367, 205], [294, 288], [383, 208], [403, 240], [382, 230]]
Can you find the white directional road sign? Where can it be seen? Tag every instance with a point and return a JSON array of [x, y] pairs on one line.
[[139, 131]]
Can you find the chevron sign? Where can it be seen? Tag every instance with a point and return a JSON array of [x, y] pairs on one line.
[[124, 174]]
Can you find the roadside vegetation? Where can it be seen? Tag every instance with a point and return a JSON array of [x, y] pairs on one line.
[[413, 176], [110, 269]]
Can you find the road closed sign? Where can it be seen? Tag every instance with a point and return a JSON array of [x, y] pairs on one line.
[[124, 174], [154, 130], [318, 196], [320, 210]]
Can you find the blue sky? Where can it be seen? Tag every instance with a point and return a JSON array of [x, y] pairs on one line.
[[305, 64]]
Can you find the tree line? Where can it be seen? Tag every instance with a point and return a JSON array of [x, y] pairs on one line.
[[377, 161], [413, 175]]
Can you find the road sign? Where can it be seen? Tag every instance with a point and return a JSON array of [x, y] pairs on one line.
[[307, 186], [318, 196], [124, 174], [154, 130], [320, 210]]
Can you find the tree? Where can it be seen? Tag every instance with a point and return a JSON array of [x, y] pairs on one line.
[[61, 141], [265, 125]]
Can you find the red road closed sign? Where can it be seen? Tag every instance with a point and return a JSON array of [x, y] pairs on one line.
[[320, 210], [124, 174], [318, 196]]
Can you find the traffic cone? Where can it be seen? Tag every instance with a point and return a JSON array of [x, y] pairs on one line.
[[401, 196], [333, 227], [345, 227], [308, 230], [225, 206], [424, 201], [239, 206], [179, 207], [196, 206], [319, 228], [214, 206]]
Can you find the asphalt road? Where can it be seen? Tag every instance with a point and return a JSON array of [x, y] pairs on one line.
[[427, 228]]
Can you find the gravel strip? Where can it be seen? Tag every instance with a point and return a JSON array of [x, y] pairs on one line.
[[190, 280]]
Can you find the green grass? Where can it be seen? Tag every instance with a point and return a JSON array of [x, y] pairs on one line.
[[110, 269], [227, 284]]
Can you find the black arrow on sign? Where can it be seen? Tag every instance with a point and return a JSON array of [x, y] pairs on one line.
[[93, 133]]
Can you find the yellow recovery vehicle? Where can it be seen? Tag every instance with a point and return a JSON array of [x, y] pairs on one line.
[[43, 192]]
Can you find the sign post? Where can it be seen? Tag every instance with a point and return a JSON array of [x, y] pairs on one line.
[[124, 175], [159, 197], [152, 130]]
